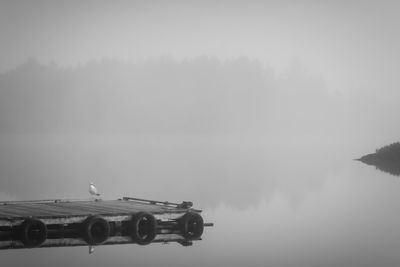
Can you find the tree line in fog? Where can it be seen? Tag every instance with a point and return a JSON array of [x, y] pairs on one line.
[[391, 151], [201, 95]]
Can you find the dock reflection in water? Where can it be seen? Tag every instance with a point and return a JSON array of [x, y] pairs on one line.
[[61, 223]]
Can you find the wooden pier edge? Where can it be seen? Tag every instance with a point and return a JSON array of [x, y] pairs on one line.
[[171, 221]]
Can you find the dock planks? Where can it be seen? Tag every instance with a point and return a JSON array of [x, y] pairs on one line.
[[66, 208]]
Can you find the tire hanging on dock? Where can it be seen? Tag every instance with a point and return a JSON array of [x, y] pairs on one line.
[[33, 232], [143, 227], [96, 230], [191, 225]]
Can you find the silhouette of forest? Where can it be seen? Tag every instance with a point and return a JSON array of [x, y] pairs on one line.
[[386, 159], [200, 95]]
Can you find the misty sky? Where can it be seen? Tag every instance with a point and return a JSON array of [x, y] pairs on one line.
[[352, 45], [347, 50], [296, 72]]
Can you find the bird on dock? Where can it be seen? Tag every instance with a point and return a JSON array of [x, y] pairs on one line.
[[93, 190]]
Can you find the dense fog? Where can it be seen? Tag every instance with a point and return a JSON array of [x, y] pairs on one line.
[[253, 110]]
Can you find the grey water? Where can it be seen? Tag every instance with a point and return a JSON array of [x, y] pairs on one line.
[[273, 202]]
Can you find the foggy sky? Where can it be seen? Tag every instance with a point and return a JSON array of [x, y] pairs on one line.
[[352, 44], [351, 47], [284, 71], [332, 66]]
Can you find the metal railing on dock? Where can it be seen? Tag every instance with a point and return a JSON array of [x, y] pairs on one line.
[[183, 205]]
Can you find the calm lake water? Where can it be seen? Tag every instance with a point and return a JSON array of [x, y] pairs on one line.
[[273, 203]]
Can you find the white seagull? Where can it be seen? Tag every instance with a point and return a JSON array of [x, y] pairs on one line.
[[93, 190]]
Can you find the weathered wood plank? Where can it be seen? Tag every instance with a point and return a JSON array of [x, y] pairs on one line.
[[64, 208]]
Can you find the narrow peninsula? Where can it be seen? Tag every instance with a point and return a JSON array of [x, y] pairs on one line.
[[386, 159]]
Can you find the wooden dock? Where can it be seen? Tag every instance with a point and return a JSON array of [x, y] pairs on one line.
[[58, 222]]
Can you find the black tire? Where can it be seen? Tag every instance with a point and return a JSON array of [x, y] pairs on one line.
[[96, 230], [143, 228], [33, 232], [191, 225]]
